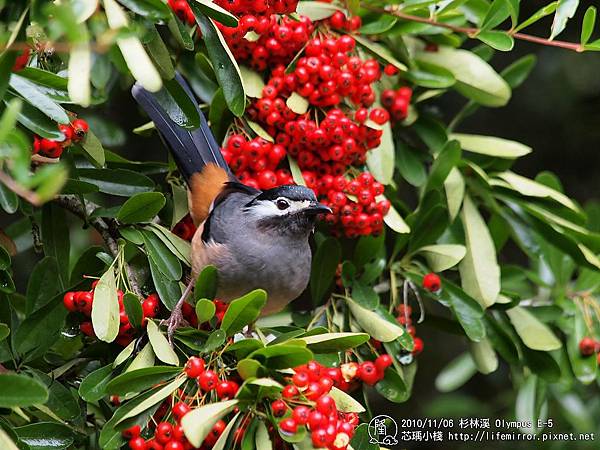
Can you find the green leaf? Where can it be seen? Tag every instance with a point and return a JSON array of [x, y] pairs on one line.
[[484, 356], [253, 82], [392, 387], [5, 440], [180, 32], [443, 256], [93, 149], [334, 342], [80, 66], [589, 20], [156, 396], [430, 76], [133, 309], [55, 233], [454, 185], [46, 436], [584, 367], [475, 78], [206, 283], [535, 334], [539, 14], [297, 103], [160, 345], [491, 146], [466, 309], [498, 40], [345, 402], [445, 161], [35, 121], [178, 105], [159, 53], [120, 182], [180, 248], [394, 220], [21, 391], [479, 269], [9, 117], [161, 256], [31, 94], [380, 160], [199, 422], [61, 400], [316, 10], [456, 373], [381, 24], [565, 10], [216, 12], [105, 308], [219, 115], [8, 200], [136, 58], [93, 386], [42, 285], [243, 311], [364, 295], [262, 440], [168, 290], [296, 172], [226, 69], [145, 358], [4, 331], [152, 9], [141, 379], [282, 356], [380, 51], [375, 325], [517, 72], [531, 188], [205, 310], [324, 265], [410, 165], [126, 353], [215, 340], [362, 439], [141, 207], [528, 404]]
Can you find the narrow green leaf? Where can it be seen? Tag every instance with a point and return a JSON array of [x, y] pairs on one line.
[[133, 309], [160, 345], [253, 82], [316, 10], [442, 256], [491, 146], [539, 14], [21, 391], [297, 103], [334, 342], [517, 72], [375, 325], [498, 40], [380, 160], [105, 308], [589, 21], [42, 285], [162, 257], [46, 436], [535, 334], [56, 240], [80, 66], [484, 356], [214, 11], [456, 373], [141, 207], [206, 283], [198, 422], [324, 265], [565, 10], [31, 94], [380, 51], [93, 386], [141, 379]]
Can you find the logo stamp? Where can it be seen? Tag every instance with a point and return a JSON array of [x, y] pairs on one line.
[[383, 430]]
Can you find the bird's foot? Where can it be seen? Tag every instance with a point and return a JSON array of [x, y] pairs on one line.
[[176, 319]]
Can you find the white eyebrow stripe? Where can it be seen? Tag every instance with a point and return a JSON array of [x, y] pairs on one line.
[[265, 208]]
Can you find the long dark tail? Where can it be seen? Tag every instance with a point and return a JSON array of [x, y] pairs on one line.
[[191, 149]]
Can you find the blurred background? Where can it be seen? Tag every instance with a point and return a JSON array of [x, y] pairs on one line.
[[556, 112]]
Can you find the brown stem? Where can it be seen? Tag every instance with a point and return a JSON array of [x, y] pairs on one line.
[[106, 227], [473, 32], [25, 193]]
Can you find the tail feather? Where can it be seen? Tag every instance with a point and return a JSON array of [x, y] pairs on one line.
[[191, 149]]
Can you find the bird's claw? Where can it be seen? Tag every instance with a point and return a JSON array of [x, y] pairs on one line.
[[174, 321]]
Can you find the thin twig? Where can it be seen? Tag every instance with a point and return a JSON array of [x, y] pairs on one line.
[[106, 228], [472, 32]]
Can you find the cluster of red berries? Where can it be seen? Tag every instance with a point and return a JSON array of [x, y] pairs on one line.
[[255, 161], [588, 346], [22, 60], [396, 102], [341, 22], [81, 301], [183, 11], [74, 132], [185, 228], [278, 39], [258, 7], [356, 207]]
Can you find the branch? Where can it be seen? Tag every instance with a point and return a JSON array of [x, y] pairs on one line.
[[472, 32], [106, 227]]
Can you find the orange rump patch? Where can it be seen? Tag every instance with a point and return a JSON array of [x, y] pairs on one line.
[[204, 188]]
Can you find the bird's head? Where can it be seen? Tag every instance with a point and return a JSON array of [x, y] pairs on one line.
[[288, 209]]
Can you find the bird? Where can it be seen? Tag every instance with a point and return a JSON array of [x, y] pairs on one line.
[[255, 239]]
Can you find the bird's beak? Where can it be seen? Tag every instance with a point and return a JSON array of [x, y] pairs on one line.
[[318, 208]]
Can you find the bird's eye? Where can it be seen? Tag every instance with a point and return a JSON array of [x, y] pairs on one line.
[[282, 204]]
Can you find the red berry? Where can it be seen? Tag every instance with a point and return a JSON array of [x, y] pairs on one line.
[[87, 329], [194, 367], [131, 432], [301, 414], [367, 372], [174, 445], [418, 346], [180, 409], [290, 391], [151, 306], [326, 405], [279, 408], [208, 380], [317, 420], [164, 432], [383, 362], [587, 346], [138, 443], [69, 302], [301, 379], [320, 438], [80, 129], [390, 70], [288, 425], [432, 282], [227, 389]]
